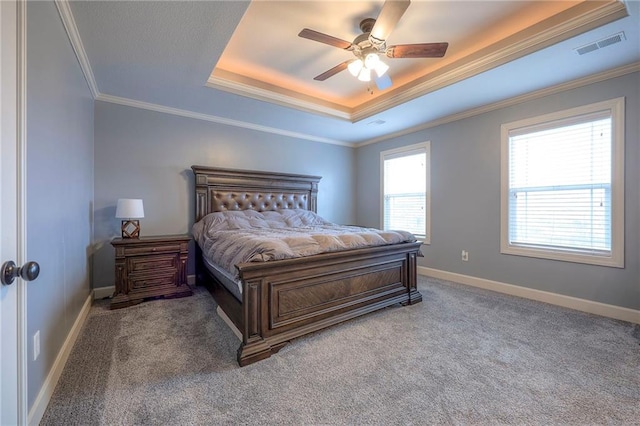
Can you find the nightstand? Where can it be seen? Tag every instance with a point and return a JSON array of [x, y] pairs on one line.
[[150, 267]]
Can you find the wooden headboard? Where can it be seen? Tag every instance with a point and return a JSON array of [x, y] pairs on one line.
[[229, 189]]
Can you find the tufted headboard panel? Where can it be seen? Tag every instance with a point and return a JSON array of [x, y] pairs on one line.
[[228, 189], [243, 200]]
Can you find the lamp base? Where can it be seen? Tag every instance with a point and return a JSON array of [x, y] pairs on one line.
[[130, 229]]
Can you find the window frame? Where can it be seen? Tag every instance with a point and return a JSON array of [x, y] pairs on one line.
[[616, 256], [410, 150]]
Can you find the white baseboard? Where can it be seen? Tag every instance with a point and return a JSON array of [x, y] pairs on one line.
[[191, 279], [102, 292], [44, 396], [584, 305]]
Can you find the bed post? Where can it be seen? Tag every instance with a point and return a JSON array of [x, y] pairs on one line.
[[313, 197], [253, 347], [201, 204], [412, 280]]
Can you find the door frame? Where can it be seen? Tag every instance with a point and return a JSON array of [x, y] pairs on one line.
[[13, 27]]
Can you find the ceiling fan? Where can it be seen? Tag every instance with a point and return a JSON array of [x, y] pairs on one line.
[[371, 44]]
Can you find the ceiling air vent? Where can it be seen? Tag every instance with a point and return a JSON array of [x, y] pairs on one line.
[[600, 44]]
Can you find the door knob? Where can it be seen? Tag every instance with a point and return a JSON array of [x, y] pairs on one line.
[[28, 272]]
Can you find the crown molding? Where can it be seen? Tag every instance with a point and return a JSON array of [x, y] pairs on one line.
[[292, 100], [215, 119], [64, 9], [585, 81]]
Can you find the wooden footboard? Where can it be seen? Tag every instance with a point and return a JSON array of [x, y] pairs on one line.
[[286, 299]]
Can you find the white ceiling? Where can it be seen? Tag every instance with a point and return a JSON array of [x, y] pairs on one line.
[[160, 55]]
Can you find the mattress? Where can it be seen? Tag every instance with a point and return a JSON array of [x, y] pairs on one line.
[[234, 285]]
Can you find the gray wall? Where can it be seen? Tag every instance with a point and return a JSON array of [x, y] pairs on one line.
[[465, 185], [59, 187], [148, 155]]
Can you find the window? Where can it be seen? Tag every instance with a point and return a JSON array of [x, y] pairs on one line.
[[405, 190], [563, 185]]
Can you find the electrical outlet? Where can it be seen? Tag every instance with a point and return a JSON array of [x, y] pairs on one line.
[[36, 345], [465, 256]]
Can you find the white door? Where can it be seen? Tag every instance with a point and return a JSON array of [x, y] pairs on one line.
[[12, 297]]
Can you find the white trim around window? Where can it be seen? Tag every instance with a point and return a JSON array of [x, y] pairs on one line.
[[415, 183], [610, 253]]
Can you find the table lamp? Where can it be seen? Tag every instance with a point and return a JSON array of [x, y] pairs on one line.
[[129, 209]]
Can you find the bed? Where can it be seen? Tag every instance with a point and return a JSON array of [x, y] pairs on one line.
[[280, 300]]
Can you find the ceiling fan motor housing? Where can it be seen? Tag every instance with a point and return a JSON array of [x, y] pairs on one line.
[[363, 44], [366, 25]]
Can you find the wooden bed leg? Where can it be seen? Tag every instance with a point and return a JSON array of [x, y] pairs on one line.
[[414, 297]]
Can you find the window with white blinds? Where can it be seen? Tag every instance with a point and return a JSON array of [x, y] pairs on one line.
[[405, 190], [563, 185]]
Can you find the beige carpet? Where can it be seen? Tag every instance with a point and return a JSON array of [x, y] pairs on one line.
[[463, 356]]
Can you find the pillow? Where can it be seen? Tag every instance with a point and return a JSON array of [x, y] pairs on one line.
[[212, 221], [226, 220], [298, 218], [256, 219], [238, 222], [275, 219], [247, 219], [244, 219]]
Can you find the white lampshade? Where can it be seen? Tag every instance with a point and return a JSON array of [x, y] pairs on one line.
[[355, 67], [381, 68], [371, 60], [365, 74], [129, 208]]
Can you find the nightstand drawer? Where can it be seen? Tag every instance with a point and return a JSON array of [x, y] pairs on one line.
[[166, 278], [165, 248], [146, 263]]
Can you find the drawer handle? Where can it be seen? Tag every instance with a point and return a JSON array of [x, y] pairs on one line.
[[153, 249]]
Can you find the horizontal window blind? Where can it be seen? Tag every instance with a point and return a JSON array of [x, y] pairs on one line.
[[560, 184], [404, 192]]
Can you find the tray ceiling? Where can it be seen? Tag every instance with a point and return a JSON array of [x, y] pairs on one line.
[[266, 60]]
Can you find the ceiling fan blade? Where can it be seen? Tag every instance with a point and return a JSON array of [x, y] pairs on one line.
[[324, 38], [383, 82], [391, 12], [333, 71], [421, 50]]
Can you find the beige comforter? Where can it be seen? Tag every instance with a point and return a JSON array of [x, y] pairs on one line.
[[233, 237]]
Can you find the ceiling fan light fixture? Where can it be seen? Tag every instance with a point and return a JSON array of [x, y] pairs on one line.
[[371, 60], [365, 74], [381, 68], [355, 67]]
